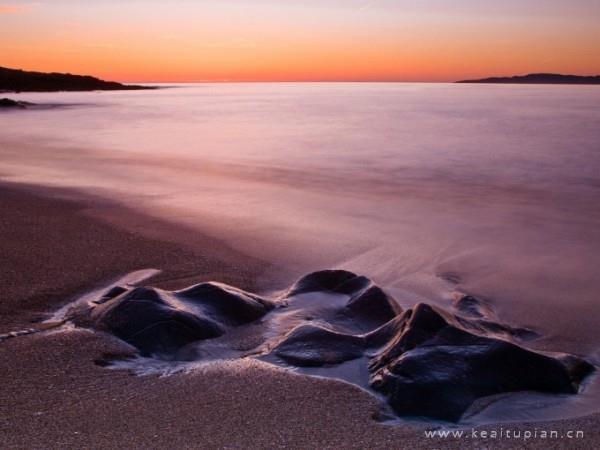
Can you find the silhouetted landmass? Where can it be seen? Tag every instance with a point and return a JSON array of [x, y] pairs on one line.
[[10, 103], [539, 78], [12, 80]]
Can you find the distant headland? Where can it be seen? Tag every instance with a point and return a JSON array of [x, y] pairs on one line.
[[14, 80], [539, 78]]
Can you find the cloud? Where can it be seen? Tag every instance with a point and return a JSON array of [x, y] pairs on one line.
[[13, 9], [366, 5]]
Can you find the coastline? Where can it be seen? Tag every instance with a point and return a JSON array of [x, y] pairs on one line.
[[59, 243], [54, 395]]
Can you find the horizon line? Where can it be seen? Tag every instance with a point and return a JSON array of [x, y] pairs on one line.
[[126, 80], [284, 81]]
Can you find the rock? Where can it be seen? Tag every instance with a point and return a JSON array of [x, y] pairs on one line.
[[436, 369], [113, 292], [9, 103], [147, 319], [373, 305], [368, 305], [338, 281], [417, 326], [226, 304], [160, 322], [309, 345], [477, 315], [471, 306], [427, 361]]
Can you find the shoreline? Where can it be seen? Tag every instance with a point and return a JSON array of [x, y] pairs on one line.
[[52, 266], [54, 394]]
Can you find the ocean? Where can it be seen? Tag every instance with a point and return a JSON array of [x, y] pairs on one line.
[[428, 189]]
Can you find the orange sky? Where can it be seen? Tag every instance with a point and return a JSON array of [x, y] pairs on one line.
[[266, 40]]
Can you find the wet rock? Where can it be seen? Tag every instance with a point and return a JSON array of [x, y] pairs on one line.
[[113, 292], [471, 306], [373, 305], [416, 326], [9, 103], [380, 337], [427, 361], [477, 315], [160, 322], [338, 281], [225, 303], [148, 320], [436, 369], [368, 305], [309, 345]]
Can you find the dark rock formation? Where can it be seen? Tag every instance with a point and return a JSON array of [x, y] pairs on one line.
[[539, 78], [9, 103], [427, 361], [13, 80], [309, 345], [225, 304], [338, 281], [368, 306], [436, 368], [159, 322]]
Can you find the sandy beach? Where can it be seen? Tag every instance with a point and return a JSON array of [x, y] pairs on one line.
[[363, 224], [55, 395]]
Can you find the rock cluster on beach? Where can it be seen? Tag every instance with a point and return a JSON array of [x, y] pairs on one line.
[[427, 361]]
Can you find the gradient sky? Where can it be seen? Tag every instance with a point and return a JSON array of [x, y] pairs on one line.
[[264, 40]]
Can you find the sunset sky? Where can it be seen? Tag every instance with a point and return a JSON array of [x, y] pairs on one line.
[[265, 40]]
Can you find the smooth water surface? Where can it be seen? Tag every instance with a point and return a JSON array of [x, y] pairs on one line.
[[425, 188]]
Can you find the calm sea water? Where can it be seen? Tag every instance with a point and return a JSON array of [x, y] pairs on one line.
[[494, 187]]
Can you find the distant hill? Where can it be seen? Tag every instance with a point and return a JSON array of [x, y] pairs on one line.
[[12, 80], [539, 78]]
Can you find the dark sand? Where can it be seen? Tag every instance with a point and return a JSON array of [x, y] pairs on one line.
[[53, 395]]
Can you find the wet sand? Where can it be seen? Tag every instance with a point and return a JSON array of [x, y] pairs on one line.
[[54, 395]]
